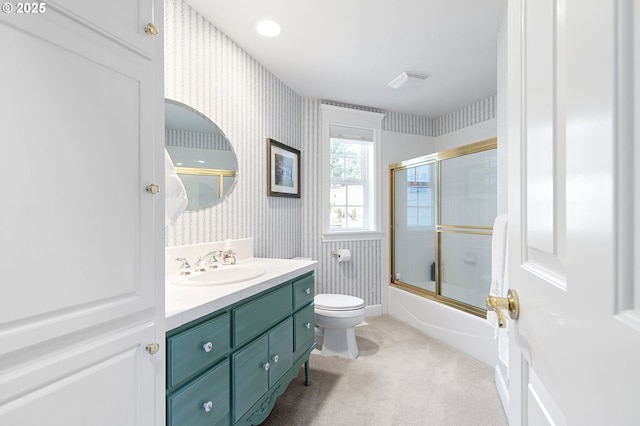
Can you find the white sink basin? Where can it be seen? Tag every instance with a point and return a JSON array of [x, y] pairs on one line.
[[227, 274]]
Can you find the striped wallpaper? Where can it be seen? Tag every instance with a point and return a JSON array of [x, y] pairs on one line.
[[207, 71], [188, 139], [475, 113]]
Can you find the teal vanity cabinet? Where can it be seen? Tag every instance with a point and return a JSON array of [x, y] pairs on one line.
[[230, 366]]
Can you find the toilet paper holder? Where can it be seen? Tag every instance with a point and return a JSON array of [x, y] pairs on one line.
[[341, 255]]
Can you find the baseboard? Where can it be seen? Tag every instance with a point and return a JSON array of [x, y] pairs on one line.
[[373, 310]]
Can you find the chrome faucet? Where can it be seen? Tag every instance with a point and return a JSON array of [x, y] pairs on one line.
[[185, 268], [211, 264]]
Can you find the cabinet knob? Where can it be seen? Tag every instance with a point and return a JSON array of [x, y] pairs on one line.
[[308, 291], [307, 325], [275, 358], [207, 347], [266, 366], [153, 188], [151, 29], [208, 406], [152, 348]]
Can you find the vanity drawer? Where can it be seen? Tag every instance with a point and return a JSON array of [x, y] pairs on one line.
[[303, 330], [257, 316], [303, 291], [197, 348], [203, 402]]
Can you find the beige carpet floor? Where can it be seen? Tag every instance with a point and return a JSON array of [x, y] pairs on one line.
[[401, 377]]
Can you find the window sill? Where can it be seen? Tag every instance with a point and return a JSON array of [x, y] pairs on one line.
[[352, 236]]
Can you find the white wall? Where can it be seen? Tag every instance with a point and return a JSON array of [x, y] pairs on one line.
[[474, 133]]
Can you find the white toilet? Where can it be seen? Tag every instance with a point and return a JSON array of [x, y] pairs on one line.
[[336, 315]]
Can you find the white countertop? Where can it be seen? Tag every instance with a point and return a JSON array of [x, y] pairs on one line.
[[184, 304]]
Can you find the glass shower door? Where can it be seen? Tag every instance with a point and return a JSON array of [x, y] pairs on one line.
[[442, 213], [468, 207], [414, 226]]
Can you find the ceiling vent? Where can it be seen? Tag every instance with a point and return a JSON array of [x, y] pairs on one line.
[[407, 76]]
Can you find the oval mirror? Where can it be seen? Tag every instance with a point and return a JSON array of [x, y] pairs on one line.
[[201, 153]]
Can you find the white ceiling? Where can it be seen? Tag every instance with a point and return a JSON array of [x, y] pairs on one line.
[[348, 51]]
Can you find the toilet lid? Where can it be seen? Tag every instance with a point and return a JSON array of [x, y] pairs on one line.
[[337, 302]]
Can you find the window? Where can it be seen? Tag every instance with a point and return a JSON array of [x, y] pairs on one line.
[[352, 139], [349, 178]]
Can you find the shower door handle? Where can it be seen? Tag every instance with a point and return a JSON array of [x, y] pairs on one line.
[[509, 303]]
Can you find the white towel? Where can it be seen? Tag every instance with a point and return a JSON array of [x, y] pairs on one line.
[[175, 195], [500, 285], [498, 265]]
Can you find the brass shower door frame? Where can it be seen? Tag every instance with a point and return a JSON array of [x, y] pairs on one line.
[[440, 228]]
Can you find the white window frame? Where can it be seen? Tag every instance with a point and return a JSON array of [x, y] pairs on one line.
[[335, 115]]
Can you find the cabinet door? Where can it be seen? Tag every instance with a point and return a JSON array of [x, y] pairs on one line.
[[280, 350], [122, 20], [250, 375], [82, 276]]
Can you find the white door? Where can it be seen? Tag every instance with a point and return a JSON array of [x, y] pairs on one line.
[[573, 205], [81, 268]]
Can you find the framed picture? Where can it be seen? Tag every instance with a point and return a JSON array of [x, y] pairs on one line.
[[283, 170]]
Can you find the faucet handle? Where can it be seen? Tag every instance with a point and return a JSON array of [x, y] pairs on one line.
[[229, 254], [211, 259], [213, 262], [185, 268]]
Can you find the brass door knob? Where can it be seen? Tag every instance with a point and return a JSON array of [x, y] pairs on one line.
[[509, 303]]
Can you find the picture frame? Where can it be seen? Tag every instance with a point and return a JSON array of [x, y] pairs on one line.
[[283, 170]]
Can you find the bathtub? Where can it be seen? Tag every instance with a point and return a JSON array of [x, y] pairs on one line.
[[469, 334]]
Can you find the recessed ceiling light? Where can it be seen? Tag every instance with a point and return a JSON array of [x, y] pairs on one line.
[[268, 28]]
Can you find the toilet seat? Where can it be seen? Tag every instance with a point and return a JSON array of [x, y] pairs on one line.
[[337, 302]]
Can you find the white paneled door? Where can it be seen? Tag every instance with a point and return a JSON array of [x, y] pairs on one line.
[[574, 231], [81, 115]]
